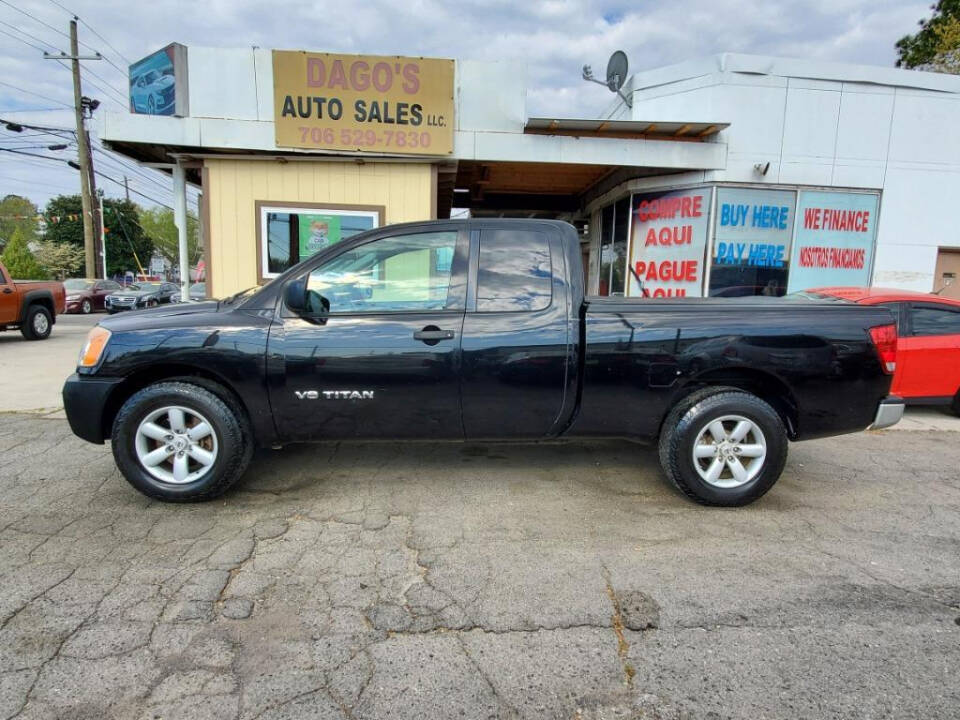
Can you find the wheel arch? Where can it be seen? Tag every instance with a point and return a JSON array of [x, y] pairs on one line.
[[38, 297], [140, 379], [764, 385]]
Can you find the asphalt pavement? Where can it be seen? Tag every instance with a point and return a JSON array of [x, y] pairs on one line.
[[440, 580], [32, 373]]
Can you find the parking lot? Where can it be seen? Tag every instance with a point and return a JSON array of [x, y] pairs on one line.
[[425, 580]]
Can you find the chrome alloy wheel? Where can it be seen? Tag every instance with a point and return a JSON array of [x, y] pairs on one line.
[[40, 324], [729, 451], [176, 445]]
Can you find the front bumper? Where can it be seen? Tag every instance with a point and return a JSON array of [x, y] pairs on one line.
[[889, 412], [85, 401]]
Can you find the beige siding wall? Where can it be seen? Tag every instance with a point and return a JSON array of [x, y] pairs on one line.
[[234, 186]]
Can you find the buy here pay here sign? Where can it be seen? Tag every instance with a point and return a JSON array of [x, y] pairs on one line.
[[382, 104]]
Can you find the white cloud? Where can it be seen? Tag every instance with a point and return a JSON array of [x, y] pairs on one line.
[[553, 38]]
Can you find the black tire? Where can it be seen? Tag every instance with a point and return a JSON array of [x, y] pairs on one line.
[[86, 307], [229, 423], [955, 405], [38, 323], [691, 416]]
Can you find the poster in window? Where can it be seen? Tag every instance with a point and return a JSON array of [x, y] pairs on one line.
[[751, 248], [668, 243], [836, 233], [318, 232]]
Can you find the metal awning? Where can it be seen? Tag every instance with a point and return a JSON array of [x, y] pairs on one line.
[[623, 128]]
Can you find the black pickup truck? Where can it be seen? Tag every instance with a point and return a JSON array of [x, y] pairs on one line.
[[476, 330]]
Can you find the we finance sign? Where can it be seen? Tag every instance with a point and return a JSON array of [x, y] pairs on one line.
[[381, 104], [835, 239]]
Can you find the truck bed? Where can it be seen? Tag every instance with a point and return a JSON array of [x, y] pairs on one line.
[[815, 357]]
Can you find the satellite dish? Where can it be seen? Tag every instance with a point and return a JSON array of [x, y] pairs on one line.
[[617, 71], [616, 75]]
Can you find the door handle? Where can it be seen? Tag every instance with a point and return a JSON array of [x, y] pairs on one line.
[[431, 335], [7, 291]]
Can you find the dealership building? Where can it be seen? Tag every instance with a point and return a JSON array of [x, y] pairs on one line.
[[726, 176]]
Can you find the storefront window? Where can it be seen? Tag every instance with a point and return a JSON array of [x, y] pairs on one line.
[[751, 246], [606, 250], [293, 234], [669, 243], [836, 235], [614, 237], [621, 229]]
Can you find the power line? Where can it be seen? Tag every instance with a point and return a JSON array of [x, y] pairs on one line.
[[38, 127], [30, 44], [103, 175], [17, 110], [102, 38], [45, 24], [107, 95], [30, 92], [32, 37]]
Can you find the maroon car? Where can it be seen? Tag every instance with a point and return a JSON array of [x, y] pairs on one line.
[[85, 296]]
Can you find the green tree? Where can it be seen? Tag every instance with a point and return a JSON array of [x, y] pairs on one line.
[[64, 215], [60, 260], [20, 262], [17, 211], [158, 225], [930, 46], [124, 235]]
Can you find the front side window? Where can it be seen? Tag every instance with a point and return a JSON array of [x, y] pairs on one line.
[[290, 235], [933, 320], [514, 271], [392, 274]]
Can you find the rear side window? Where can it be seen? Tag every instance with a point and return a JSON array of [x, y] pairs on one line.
[[934, 320], [897, 310], [514, 273]]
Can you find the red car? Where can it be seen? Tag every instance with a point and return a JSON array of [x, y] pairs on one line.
[[928, 346], [85, 296]]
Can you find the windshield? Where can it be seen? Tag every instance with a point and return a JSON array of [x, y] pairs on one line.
[[146, 287], [77, 284]]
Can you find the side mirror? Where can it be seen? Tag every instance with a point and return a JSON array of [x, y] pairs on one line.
[[295, 295]]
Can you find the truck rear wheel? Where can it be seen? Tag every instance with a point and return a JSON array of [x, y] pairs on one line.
[[37, 324], [723, 446], [180, 442]]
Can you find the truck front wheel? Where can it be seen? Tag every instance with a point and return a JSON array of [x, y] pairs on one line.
[[723, 446], [179, 442], [37, 324]]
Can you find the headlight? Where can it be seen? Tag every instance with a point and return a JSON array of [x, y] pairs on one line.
[[73, 297], [92, 349]]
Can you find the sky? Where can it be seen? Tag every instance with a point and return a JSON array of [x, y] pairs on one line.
[[552, 38]]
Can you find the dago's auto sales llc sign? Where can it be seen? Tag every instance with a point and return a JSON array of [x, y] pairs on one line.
[[395, 105]]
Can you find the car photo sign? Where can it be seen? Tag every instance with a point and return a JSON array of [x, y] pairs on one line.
[[158, 83]]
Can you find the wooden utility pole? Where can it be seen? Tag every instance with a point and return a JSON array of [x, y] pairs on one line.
[[91, 215]]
